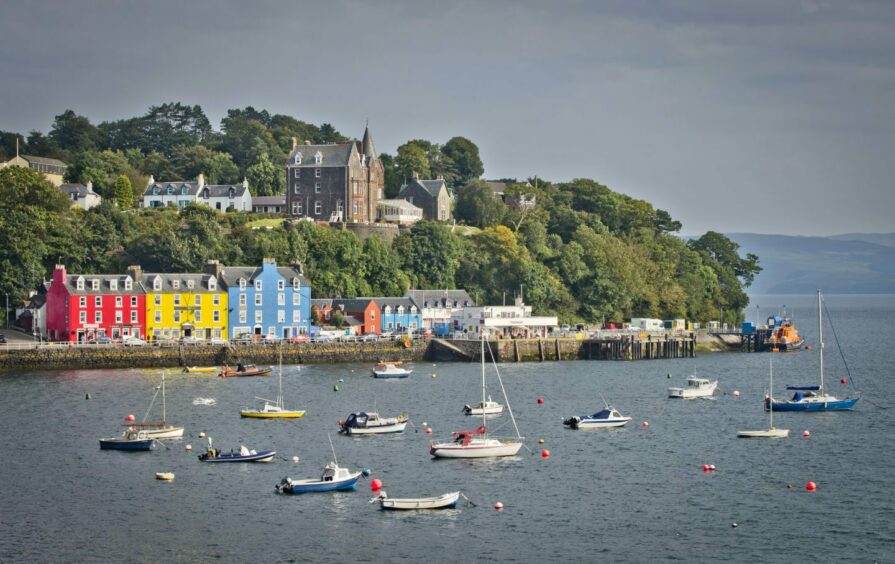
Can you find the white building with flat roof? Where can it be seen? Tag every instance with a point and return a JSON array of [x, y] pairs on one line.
[[506, 321]]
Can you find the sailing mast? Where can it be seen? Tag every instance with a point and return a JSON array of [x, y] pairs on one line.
[[164, 403], [484, 416], [770, 391], [820, 332]]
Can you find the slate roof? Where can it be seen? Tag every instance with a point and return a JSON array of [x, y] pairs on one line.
[[71, 284], [78, 189], [192, 186], [44, 161], [222, 190], [199, 280], [269, 201], [420, 297], [320, 302], [355, 304], [230, 275], [395, 302], [433, 187], [333, 155]]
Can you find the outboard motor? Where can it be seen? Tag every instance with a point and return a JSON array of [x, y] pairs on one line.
[[572, 421]]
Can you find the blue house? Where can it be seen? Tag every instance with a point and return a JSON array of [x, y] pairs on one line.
[[399, 315], [271, 301]]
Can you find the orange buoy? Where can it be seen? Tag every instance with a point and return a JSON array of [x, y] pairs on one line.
[[540, 441], [811, 486]]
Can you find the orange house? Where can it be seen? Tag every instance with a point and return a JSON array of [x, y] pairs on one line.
[[365, 310]]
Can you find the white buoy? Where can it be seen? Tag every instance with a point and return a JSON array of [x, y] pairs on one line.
[[188, 447], [295, 459], [202, 435], [736, 393]]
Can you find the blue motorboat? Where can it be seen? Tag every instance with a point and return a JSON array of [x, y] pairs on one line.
[[131, 439], [334, 478], [812, 398], [242, 455]]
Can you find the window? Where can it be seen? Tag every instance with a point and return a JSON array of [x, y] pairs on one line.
[[98, 301], [198, 316], [296, 283], [379, 194], [281, 284], [197, 300], [133, 317], [175, 284], [316, 173], [80, 283], [281, 298], [295, 189], [340, 207], [176, 300], [257, 299], [82, 301], [158, 316], [119, 301], [83, 317], [297, 208], [133, 301], [400, 310], [157, 284], [316, 187], [158, 299], [176, 316], [354, 209], [318, 158], [387, 310], [258, 316], [354, 187], [113, 284], [258, 285], [216, 316], [297, 173], [296, 316], [296, 298], [373, 314], [242, 299], [242, 316], [98, 317], [94, 284], [216, 300], [281, 316], [412, 309], [189, 284], [242, 283], [118, 317], [175, 333], [318, 208], [297, 160]]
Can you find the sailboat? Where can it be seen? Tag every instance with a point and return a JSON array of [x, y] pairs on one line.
[[771, 432], [274, 409], [476, 443], [812, 398], [158, 429]]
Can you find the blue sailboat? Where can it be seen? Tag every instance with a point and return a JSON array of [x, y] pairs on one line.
[[812, 398]]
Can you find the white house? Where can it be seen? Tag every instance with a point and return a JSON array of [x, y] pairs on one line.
[[82, 196], [437, 306], [398, 211], [183, 193], [508, 321]]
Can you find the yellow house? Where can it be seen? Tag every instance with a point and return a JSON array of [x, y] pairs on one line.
[[53, 169], [185, 306]]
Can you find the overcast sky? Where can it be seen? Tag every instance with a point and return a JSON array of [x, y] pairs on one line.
[[756, 116]]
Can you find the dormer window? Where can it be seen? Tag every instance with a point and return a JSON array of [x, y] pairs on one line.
[[212, 283], [232, 193], [412, 309], [318, 158], [156, 191], [175, 284], [400, 310], [184, 190], [94, 284], [128, 284], [157, 284], [205, 193], [80, 283], [189, 284], [296, 283], [387, 310], [298, 158], [169, 191], [113, 284], [242, 283], [426, 304]]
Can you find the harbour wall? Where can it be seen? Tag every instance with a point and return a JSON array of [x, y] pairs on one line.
[[59, 356]]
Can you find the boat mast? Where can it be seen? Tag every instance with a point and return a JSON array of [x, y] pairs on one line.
[[164, 403], [280, 393], [336, 460], [820, 333], [484, 416], [770, 397]]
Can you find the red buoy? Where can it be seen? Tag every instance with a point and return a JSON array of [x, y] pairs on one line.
[[130, 418], [843, 380], [498, 506], [646, 423], [376, 484], [806, 434], [810, 486], [545, 453], [540, 401], [428, 430], [705, 467]]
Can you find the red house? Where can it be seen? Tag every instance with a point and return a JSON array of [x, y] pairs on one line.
[[364, 310], [81, 307]]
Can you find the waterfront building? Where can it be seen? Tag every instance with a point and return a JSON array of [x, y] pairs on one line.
[[365, 311], [399, 315], [184, 306], [437, 307], [81, 307], [324, 309], [52, 169], [336, 183], [266, 301], [502, 321], [182, 193], [432, 196]]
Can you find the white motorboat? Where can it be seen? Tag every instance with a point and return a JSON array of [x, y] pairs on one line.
[[603, 419], [695, 388], [771, 432], [486, 407], [445, 501], [391, 371], [370, 423], [476, 443]]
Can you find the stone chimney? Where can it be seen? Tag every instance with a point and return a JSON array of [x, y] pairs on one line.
[[89, 185], [294, 143], [214, 267], [151, 181], [307, 141], [416, 175], [245, 183], [201, 181], [59, 275], [136, 272]]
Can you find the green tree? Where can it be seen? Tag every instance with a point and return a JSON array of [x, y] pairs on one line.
[[430, 254], [464, 154], [216, 167], [477, 205], [74, 133], [337, 318], [265, 178], [393, 179], [411, 160], [124, 193], [384, 276]]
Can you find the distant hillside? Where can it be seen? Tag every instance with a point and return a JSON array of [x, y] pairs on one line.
[[884, 239], [843, 264]]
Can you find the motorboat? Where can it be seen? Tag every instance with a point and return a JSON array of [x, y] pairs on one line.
[[242, 455], [245, 370], [391, 371], [274, 409], [370, 423], [812, 398], [771, 432], [444, 501], [131, 439], [485, 407], [695, 388], [604, 419], [334, 478]]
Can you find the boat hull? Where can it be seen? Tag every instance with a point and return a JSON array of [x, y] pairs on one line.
[[255, 414], [602, 424], [692, 392], [263, 456], [467, 410], [131, 445], [377, 430], [786, 347], [246, 373], [316, 486], [490, 448], [390, 375], [446, 501], [165, 433], [766, 434], [803, 405]]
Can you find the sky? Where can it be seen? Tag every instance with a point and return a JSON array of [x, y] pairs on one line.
[[764, 116]]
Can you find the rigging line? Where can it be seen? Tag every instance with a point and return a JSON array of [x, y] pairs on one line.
[[838, 346], [500, 381], [146, 415]]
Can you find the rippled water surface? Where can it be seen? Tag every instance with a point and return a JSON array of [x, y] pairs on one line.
[[626, 495]]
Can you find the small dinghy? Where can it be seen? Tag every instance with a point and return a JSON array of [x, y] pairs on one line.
[[486, 407], [771, 432], [242, 455], [131, 439], [445, 501], [603, 419], [245, 370], [391, 371], [164, 476], [363, 423]]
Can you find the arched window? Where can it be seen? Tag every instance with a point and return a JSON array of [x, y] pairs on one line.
[[318, 158], [169, 191], [156, 191], [157, 284], [297, 158]]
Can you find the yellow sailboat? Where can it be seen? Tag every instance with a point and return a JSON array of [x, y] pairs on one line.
[[273, 409]]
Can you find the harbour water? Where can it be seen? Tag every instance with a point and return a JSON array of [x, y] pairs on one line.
[[627, 495]]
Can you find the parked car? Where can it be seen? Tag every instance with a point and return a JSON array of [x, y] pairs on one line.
[[133, 342], [2, 339], [299, 339], [101, 340]]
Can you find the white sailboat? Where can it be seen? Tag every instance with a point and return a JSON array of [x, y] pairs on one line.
[[476, 443], [771, 432], [158, 429], [274, 409]]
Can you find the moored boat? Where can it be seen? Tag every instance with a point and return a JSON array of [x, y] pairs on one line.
[[391, 371], [695, 388], [485, 407], [444, 501], [201, 369], [245, 370], [334, 478], [242, 455], [370, 423], [131, 439], [274, 409], [158, 429], [783, 335], [771, 432], [604, 419]]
